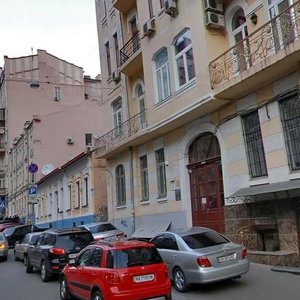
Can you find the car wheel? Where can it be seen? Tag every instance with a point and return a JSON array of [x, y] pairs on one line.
[[97, 296], [29, 268], [45, 274], [179, 280], [63, 289]]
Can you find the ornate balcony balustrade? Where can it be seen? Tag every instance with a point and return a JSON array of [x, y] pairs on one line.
[[120, 133], [268, 40], [130, 48]]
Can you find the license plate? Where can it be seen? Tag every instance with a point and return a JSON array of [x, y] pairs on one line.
[[226, 258], [143, 278]]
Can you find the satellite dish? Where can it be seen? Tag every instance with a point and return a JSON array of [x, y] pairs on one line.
[[46, 169]]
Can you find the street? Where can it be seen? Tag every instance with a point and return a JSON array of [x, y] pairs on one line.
[[259, 284]]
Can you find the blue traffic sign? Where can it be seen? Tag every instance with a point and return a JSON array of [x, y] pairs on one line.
[[32, 191], [33, 168]]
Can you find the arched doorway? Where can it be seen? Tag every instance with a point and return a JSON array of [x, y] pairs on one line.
[[206, 183]]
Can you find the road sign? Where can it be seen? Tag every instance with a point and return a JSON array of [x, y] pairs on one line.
[[2, 204], [32, 190], [33, 168]]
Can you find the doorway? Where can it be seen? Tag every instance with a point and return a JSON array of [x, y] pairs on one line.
[[206, 182]]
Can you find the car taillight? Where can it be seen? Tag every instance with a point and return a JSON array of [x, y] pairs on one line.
[[57, 251], [120, 235], [112, 278], [2, 246], [203, 262], [244, 253]]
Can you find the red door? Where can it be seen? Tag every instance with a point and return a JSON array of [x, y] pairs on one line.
[[206, 182]]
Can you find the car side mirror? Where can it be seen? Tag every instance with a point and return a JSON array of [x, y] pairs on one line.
[[72, 262]]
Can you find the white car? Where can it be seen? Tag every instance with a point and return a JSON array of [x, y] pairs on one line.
[[103, 231], [200, 255]]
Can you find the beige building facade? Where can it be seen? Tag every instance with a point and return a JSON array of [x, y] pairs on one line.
[[202, 123], [51, 113]]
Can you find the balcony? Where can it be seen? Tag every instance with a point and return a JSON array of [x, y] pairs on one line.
[[121, 136], [265, 56], [124, 6], [131, 56]]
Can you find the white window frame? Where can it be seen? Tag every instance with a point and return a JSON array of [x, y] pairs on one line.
[[86, 189]]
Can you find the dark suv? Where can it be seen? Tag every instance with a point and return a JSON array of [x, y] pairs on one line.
[[53, 249]]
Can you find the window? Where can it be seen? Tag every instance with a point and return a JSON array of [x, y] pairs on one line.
[[161, 173], [254, 145], [61, 197], [150, 5], [108, 58], [139, 94], [85, 191], [290, 117], [120, 185], [56, 200], [162, 75], [57, 93], [117, 115], [117, 50], [78, 193], [50, 205], [144, 178], [69, 205], [184, 58]]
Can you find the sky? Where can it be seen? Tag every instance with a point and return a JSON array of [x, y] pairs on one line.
[[64, 28]]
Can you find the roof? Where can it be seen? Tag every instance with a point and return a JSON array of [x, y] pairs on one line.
[[268, 188]]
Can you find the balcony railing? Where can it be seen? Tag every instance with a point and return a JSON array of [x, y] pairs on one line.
[[275, 35], [130, 48], [120, 133]]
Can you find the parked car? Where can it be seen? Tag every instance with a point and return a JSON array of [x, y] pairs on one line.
[[116, 270], [103, 231], [3, 247], [20, 250], [200, 255], [53, 249], [17, 233]]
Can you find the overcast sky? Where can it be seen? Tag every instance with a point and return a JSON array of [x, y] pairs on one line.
[[64, 28]]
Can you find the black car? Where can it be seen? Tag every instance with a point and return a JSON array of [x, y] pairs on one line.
[[53, 249], [17, 233]]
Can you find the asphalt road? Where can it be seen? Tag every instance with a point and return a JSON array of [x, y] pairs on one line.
[[259, 284]]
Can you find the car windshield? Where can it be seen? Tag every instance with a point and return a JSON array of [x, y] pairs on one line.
[[101, 227], [205, 239], [9, 230], [125, 258], [74, 241]]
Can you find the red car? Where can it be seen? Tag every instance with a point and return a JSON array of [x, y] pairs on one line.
[[116, 270]]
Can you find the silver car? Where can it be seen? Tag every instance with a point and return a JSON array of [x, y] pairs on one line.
[[103, 231], [200, 255], [3, 246], [20, 250]]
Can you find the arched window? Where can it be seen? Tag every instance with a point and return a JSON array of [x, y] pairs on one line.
[[139, 95], [120, 185], [184, 58], [162, 75]]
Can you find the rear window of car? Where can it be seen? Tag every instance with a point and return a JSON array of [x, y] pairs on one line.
[[74, 240], [133, 257], [101, 227], [205, 239]]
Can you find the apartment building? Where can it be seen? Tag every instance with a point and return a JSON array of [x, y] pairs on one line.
[[72, 194], [202, 122], [50, 112]]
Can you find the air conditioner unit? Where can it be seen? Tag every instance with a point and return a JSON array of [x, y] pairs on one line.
[[213, 5], [214, 20], [70, 141], [89, 148], [149, 28], [171, 8], [116, 76]]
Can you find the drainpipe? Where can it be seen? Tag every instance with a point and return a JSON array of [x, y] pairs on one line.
[[132, 188]]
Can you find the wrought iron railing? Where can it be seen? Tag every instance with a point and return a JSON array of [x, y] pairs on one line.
[[120, 133], [130, 48], [275, 35]]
